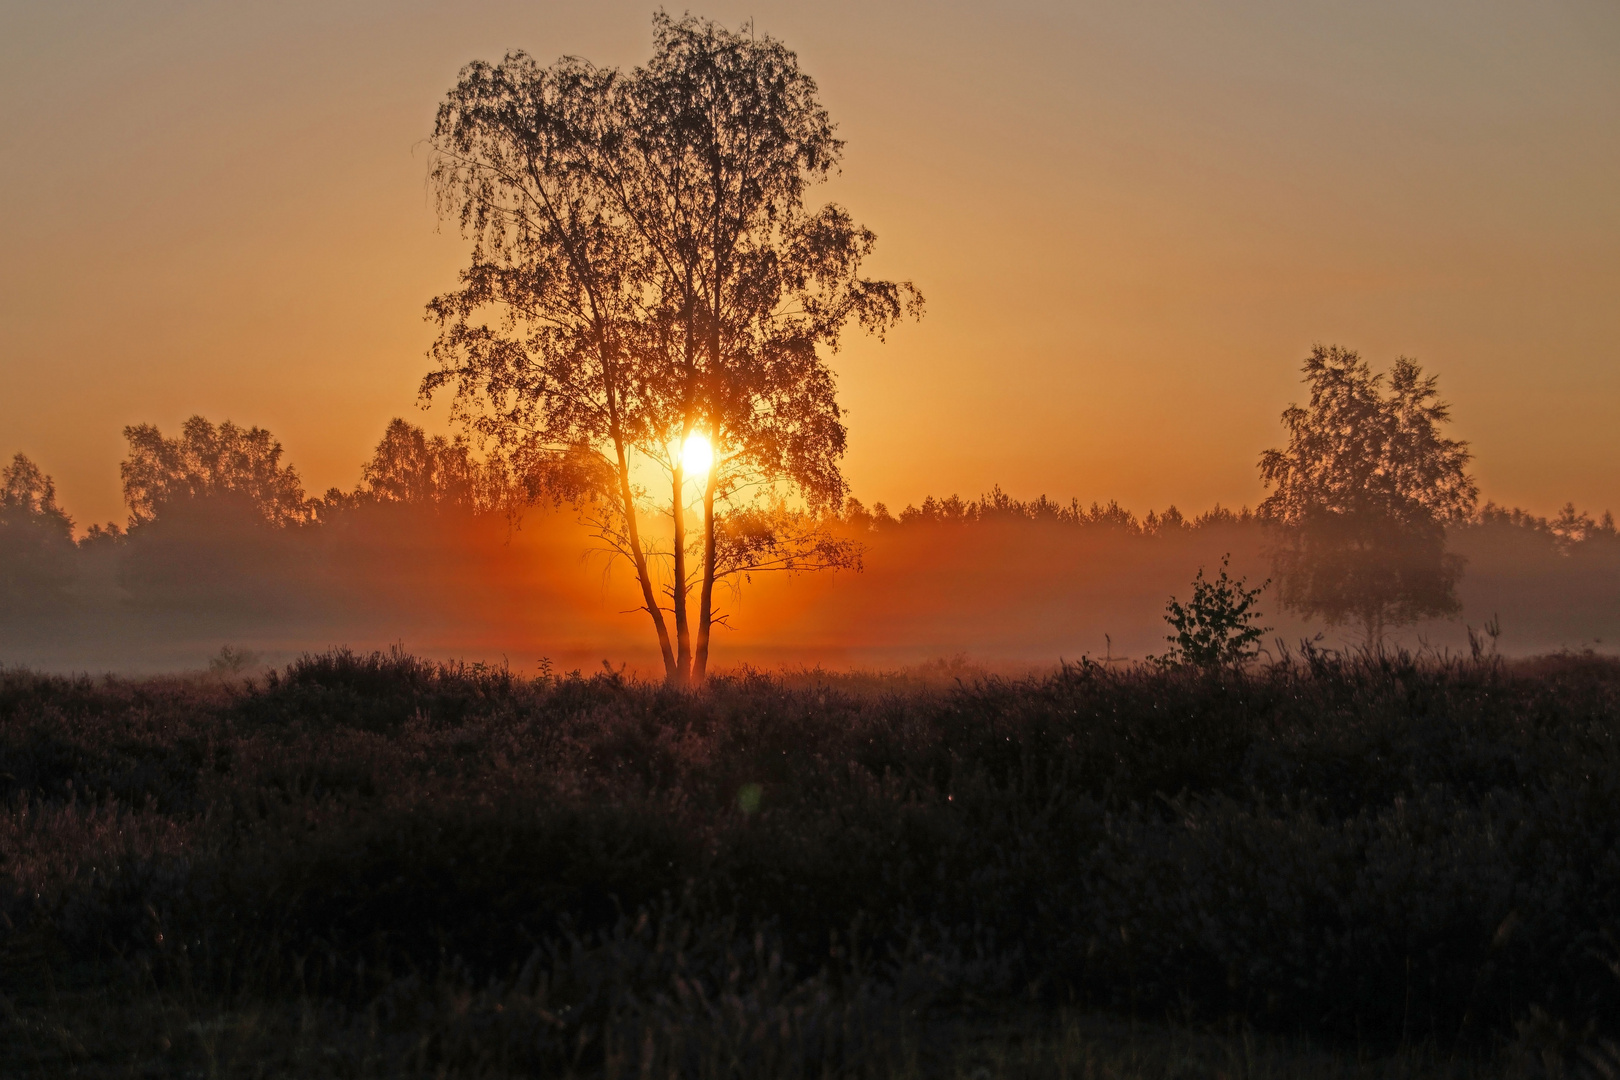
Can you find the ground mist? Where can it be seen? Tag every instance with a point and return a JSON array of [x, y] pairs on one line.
[[374, 865]]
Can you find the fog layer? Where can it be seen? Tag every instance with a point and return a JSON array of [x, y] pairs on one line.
[[944, 583]]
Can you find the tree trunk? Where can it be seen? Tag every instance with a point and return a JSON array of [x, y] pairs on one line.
[[633, 531], [706, 597], [683, 634], [700, 661]]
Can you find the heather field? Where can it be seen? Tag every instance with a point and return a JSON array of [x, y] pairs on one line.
[[1355, 865]]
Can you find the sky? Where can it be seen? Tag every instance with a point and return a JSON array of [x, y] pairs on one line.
[[1131, 223]]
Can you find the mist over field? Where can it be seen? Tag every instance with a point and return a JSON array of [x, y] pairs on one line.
[[949, 583]]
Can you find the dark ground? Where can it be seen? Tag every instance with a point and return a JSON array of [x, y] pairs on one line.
[[375, 866]]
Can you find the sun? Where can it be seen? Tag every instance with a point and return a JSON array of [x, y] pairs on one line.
[[697, 456]]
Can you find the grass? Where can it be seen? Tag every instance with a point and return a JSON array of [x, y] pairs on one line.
[[378, 866]]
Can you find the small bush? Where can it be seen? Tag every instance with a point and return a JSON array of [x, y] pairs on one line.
[[1218, 626]]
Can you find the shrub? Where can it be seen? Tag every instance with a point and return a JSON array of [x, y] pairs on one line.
[[1218, 626]]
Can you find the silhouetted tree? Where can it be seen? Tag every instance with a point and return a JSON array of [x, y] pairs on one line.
[[1574, 527], [36, 540], [728, 135], [645, 240], [1363, 493], [557, 380], [409, 466], [208, 462], [211, 517]]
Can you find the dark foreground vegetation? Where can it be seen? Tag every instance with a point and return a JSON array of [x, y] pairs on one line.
[[366, 866]]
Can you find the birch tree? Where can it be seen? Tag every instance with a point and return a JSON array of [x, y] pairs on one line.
[[657, 282], [1362, 494]]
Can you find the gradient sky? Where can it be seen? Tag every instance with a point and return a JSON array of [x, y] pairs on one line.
[[1131, 222]]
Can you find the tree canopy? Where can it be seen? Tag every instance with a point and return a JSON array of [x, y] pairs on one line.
[[412, 467], [1363, 492], [205, 461], [36, 538]]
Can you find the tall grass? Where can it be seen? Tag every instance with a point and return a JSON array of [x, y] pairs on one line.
[[374, 865]]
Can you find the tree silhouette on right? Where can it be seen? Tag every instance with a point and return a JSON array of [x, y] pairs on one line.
[[1363, 492]]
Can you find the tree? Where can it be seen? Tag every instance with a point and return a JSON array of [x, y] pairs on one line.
[[1219, 626], [658, 278], [1363, 493], [726, 137], [213, 518], [409, 466], [36, 539], [242, 465], [555, 382]]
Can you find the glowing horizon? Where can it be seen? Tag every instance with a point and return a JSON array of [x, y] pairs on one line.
[[1131, 225]]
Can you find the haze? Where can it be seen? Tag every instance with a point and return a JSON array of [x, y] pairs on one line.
[[1130, 223]]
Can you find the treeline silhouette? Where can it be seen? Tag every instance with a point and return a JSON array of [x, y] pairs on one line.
[[997, 505], [221, 535], [459, 553]]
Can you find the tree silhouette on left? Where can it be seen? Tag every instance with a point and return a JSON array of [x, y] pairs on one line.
[[212, 511], [204, 461], [36, 539]]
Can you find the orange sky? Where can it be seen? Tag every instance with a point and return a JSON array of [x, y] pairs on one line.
[[1131, 222]]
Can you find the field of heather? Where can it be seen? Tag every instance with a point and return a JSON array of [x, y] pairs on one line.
[[355, 866]]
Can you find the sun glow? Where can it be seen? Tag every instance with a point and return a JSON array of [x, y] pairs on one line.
[[696, 455]]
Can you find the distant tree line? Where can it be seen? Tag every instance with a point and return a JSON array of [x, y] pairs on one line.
[[215, 513], [998, 506], [233, 467], [1362, 500], [1367, 497], [1567, 529]]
